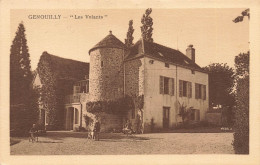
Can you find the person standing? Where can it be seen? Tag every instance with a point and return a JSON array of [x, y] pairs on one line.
[[96, 131], [33, 132]]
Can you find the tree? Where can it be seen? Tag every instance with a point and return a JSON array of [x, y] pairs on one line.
[[242, 65], [20, 68], [221, 80], [241, 135], [147, 29], [23, 98], [245, 13], [184, 112], [129, 36]]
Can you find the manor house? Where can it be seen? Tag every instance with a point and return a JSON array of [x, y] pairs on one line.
[[167, 78]]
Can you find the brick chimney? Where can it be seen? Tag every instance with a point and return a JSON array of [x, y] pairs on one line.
[[190, 52]]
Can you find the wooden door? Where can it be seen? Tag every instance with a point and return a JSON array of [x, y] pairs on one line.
[[166, 119]]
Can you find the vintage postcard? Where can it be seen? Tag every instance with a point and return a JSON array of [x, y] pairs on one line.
[[155, 82]]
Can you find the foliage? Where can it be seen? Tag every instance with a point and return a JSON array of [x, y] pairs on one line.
[[20, 68], [49, 97], [221, 80], [23, 98], [24, 115], [241, 135], [184, 112], [242, 65], [245, 13], [119, 106], [129, 36], [146, 28]]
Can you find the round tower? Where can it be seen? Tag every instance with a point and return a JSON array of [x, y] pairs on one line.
[[106, 77]]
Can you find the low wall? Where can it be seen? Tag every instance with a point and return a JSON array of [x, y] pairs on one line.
[[110, 122], [214, 118]]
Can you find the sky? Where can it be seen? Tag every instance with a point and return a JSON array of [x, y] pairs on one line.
[[212, 33]]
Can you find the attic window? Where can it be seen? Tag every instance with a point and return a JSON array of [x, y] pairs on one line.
[[160, 54]]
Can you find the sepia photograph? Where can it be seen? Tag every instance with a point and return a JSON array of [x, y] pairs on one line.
[[130, 81]]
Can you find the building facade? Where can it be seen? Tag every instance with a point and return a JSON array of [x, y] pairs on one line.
[[165, 77]]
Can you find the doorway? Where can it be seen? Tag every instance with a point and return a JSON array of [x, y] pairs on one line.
[[69, 118], [166, 119]]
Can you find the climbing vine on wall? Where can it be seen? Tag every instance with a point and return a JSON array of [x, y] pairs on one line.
[[49, 96], [120, 106]]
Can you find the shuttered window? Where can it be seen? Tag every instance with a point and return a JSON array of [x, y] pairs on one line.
[[167, 85], [172, 86], [200, 91], [161, 85], [204, 92], [180, 88], [196, 91], [189, 90], [185, 89]]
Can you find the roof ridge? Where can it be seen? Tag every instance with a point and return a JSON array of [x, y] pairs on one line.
[[51, 55]]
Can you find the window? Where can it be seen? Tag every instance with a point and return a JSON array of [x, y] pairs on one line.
[[185, 89], [192, 71], [167, 65], [195, 115], [81, 87], [200, 91], [166, 85], [102, 63]]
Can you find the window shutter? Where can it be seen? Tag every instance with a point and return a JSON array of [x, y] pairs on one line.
[[172, 90], [204, 92], [170, 86], [180, 88], [161, 85], [196, 91], [189, 90]]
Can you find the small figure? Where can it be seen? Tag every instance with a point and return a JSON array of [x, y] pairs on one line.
[[96, 131], [128, 128], [33, 133]]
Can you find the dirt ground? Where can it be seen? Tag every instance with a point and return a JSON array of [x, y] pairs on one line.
[[76, 143]]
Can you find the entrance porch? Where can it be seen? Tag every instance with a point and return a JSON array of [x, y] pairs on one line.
[[72, 116]]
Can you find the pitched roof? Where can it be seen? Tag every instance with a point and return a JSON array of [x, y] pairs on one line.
[[66, 68], [110, 41], [160, 52]]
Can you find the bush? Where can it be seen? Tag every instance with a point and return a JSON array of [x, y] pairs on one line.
[[241, 135]]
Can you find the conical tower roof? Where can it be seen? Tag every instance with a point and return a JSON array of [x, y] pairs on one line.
[[110, 41]]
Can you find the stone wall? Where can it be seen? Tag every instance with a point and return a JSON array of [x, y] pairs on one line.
[[134, 77], [106, 74]]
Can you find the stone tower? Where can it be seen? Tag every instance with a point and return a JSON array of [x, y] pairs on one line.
[[106, 78]]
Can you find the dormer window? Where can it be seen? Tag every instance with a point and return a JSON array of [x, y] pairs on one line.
[[160, 54], [186, 62]]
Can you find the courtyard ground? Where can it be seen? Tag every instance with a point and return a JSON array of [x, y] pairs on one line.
[[76, 143]]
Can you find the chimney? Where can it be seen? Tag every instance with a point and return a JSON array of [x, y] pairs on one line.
[[190, 52]]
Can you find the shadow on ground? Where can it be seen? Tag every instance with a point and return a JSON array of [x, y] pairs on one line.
[[60, 135]]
